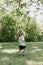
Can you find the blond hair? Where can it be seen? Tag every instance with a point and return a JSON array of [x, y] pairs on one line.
[[23, 33]]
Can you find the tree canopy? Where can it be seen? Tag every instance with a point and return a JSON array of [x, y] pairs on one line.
[[17, 15]]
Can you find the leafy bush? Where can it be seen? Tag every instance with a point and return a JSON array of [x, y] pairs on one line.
[[11, 27], [8, 28], [31, 30]]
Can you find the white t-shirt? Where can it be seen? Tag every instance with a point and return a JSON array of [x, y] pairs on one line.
[[21, 41]]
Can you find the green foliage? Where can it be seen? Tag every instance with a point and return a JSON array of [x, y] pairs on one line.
[[11, 27], [17, 20], [8, 28], [41, 1], [31, 30]]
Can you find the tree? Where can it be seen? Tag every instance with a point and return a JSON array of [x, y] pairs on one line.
[[17, 11]]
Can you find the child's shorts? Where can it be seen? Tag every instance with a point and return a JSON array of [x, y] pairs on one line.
[[22, 47]]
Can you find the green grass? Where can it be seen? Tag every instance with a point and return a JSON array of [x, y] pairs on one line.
[[34, 54]]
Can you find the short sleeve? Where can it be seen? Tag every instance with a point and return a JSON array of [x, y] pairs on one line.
[[22, 38]]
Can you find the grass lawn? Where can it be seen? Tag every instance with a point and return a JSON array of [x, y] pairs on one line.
[[9, 55]]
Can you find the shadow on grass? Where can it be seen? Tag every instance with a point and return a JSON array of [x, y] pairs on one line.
[[32, 62]]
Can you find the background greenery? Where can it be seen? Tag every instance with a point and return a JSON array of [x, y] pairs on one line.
[[11, 27], [13, 20]]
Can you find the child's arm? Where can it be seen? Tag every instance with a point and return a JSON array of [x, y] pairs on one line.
[[23, 40]]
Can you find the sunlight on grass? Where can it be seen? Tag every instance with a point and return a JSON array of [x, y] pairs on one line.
[[9, 54], [5, 58], [39, 58], [31, 62], [35, 50], [38, 49], [0, 46], [10, 51], [35, 47]]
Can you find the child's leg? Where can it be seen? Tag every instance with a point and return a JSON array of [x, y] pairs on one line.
[[20, 51], [25, 50]]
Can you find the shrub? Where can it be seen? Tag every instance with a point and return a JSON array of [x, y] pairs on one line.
[[8, 28], [11, 27], [31, 30]]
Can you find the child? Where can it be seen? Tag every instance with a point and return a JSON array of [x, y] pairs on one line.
[[21, 40]]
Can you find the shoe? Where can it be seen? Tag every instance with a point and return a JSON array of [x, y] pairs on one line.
[[23, 54]]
